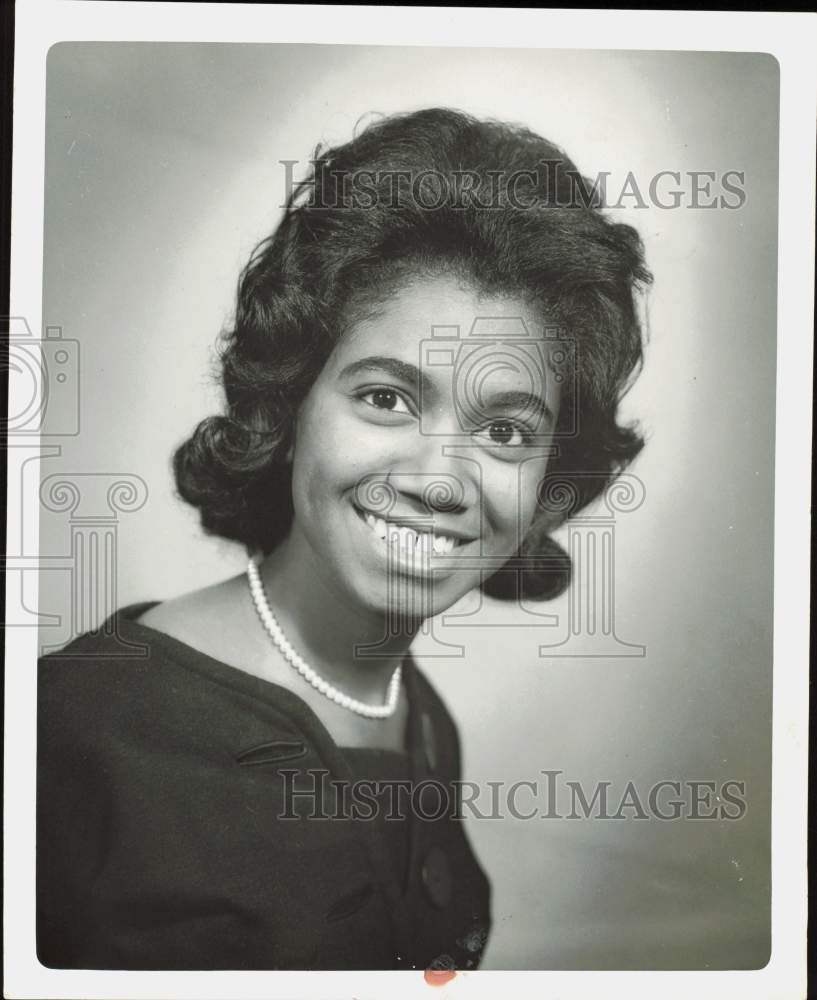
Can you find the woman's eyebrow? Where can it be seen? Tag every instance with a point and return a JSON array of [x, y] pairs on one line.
[[515, 399], [398, 369], [520, 401]]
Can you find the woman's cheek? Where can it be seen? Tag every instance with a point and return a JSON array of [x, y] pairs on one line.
[[496, 519], [531, 477], [360, 448], [510, 498]]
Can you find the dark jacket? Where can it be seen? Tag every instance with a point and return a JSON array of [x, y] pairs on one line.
[[166, 839]]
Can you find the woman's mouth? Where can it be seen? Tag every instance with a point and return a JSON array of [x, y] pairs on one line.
[[408, 540]]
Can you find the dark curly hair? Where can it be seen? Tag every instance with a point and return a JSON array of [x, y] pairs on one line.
[[414, 194]]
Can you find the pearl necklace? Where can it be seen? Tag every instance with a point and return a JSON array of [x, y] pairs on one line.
[[276, 633]]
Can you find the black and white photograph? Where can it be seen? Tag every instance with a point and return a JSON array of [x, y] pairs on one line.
[[408, 460]]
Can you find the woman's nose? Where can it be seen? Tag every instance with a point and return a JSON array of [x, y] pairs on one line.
[[437, 475], [428, 493]]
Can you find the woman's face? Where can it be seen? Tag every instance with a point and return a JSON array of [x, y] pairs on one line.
[[419, 449]]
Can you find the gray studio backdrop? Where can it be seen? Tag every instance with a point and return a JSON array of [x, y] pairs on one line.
[[163, 170]]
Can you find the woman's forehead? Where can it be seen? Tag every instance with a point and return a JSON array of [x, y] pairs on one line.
[[443, 337], [444, 308]]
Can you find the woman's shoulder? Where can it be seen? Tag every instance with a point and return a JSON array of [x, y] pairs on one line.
[[137, 631], [197, 618], [145, 653], [130, 693]]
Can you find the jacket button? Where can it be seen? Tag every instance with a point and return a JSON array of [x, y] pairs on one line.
[[436, 875]]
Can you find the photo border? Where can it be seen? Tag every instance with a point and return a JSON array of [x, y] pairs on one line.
[[790, 39]]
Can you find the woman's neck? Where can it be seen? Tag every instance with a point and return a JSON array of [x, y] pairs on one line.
[[347, 644]]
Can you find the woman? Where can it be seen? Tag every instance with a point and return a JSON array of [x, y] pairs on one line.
[[440, 319]]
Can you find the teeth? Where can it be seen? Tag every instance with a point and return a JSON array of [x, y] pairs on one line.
[[443, 545], [377, 524], [409, 540], [406, 539]]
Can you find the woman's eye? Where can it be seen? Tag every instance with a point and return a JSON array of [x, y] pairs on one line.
[[504, 434], [385, 399]]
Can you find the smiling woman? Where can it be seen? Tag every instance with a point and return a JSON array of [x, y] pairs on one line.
[[404, 371], [369, 440]]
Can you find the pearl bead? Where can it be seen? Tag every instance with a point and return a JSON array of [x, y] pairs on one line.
[[276, 633]]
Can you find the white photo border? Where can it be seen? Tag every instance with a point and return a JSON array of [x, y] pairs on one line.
[[790, 39]]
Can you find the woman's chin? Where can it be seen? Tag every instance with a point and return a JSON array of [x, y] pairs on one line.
[[410, 600]]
